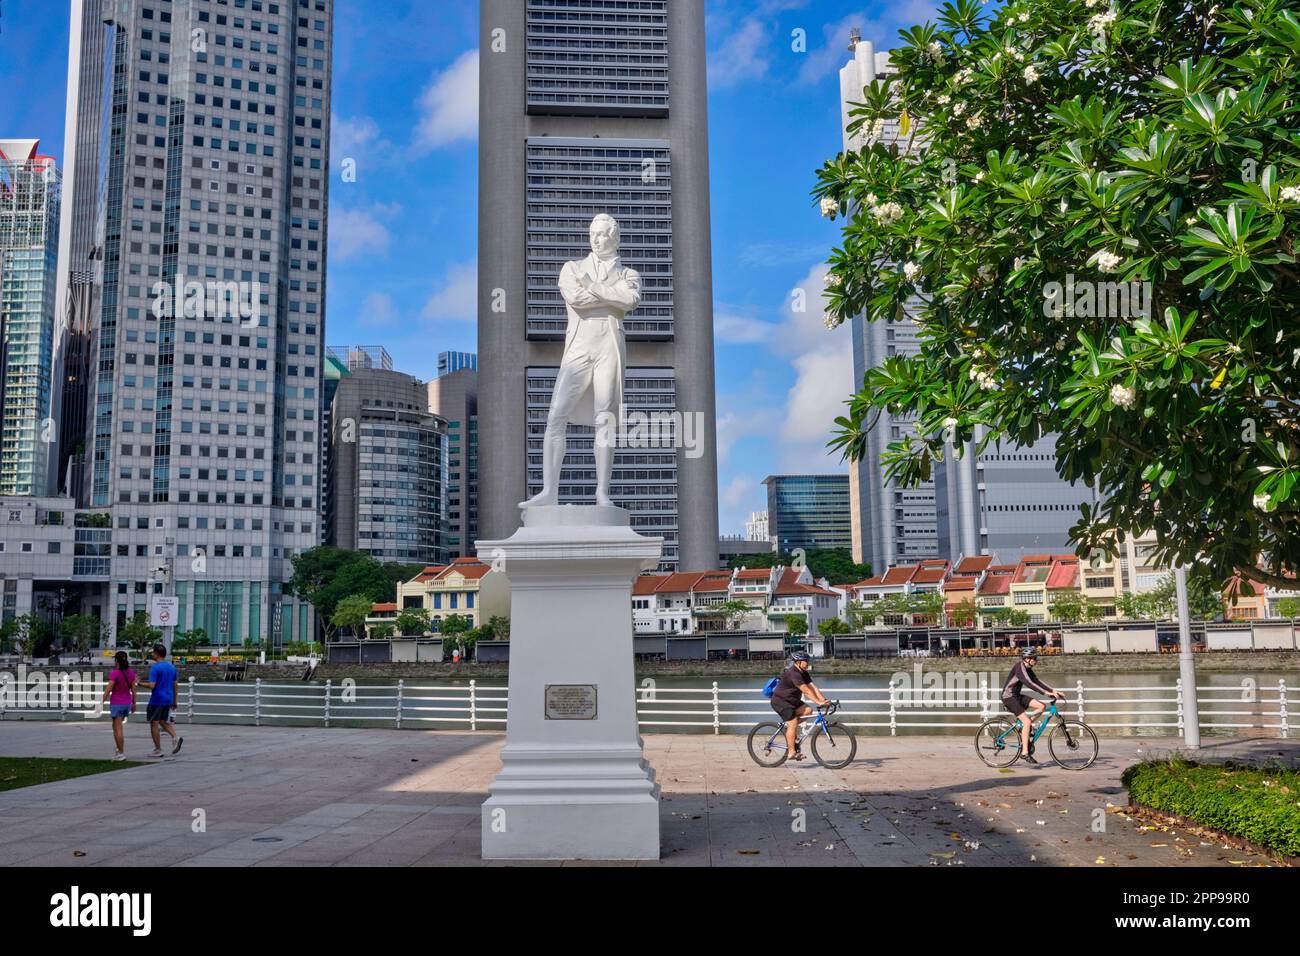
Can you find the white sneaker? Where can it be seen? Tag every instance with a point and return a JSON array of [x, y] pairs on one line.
[[156, 753], [118, 755]]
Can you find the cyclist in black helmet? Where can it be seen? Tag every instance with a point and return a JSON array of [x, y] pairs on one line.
[[787, 698], [1025, 691]]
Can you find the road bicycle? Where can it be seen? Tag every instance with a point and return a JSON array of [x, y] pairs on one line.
[[833, 744], [1072, 743]]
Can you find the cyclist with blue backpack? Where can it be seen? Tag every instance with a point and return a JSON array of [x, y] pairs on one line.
[[788, 692]]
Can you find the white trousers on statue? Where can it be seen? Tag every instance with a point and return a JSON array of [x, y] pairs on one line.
[[592, 361]]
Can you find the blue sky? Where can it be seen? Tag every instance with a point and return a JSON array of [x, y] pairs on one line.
[[403, 235]]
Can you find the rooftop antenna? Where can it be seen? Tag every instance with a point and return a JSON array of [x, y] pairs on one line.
[[855, 37]]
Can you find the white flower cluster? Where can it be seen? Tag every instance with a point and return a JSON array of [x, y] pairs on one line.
[[983, 379], [829, 206], [962, 76], [986, 272], [911, 270], [934, 53], [975, 121], [1108, 261], [1260, 502], [1122, 396], [834, 279], [950, 423], [1290, 194], [887, 213], [1101, 21], [1031, 74]]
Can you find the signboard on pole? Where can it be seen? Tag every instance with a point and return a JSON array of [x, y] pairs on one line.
[[163, 610]]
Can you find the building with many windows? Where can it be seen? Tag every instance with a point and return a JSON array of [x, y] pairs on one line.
[[200, 132], [453, 396], [808, 512], [29, 243], [601, 109], [449, 362], [387, 463]]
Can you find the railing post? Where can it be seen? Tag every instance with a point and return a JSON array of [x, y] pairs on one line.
[[4, 696], [1078, 690], [400, 684], [893, 708], [189, 702], [329, 691], [984, 698], [473, 704], [1281, 706], [63, 695], [257, 702], [1178, 685], [715, 708]]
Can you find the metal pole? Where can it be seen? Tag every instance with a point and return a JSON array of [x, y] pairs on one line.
[[1186, 667]]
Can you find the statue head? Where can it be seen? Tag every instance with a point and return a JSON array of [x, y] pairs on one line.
[[604, 236]]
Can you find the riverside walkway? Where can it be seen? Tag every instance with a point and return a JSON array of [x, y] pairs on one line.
[[274, 796]]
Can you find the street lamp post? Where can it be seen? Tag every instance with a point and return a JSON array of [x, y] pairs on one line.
[[1186, 666]]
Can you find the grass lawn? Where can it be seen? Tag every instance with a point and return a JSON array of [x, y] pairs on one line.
[[18, 772]]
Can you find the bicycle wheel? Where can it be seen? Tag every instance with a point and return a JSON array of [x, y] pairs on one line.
[[834, 749], [1073, 745], [998, 742], [767, 744]]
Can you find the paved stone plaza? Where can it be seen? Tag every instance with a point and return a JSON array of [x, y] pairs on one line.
[[305, 797]]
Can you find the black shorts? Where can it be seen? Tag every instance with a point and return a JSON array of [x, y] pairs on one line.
[[1017, 705], [786, 710], [161, 713]]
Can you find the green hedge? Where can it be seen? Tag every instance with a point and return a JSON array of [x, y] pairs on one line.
[[1262, 806]]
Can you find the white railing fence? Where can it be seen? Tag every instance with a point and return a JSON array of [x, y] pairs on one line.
[[474, 706]]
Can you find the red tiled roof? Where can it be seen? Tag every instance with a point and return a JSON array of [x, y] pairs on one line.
[[875, 582], [755, 573], [383, 607], [930, 575], [647, 583], [471, 568], [1064, 574], [966, 583], [973, 565], [680, 581], [429, 573], [998, 581], [713, 581], [899, 575]]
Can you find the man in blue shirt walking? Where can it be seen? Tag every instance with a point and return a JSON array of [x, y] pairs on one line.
[[162, 678]]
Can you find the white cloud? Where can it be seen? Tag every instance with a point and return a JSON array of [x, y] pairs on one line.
[[823, 363], [377, 309], [456, 299], [741, 56], [739, 329], [361, 231], [449, 106], [734, 425], [358, 138]]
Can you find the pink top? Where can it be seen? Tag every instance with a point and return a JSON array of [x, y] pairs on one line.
[[121, 686]]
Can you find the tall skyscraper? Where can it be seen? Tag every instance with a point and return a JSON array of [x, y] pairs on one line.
[[453, 397], [808, 511], [387, 465], [891, 525], [595, 107], [212, 123], [1007, 502], [29, 239]]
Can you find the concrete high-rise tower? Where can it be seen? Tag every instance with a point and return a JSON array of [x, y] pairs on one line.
[[199, 132], [587, 108]]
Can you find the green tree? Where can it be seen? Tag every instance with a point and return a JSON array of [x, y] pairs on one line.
[[925, 607], [796, 624], [138, 634], [413, 620], [1289, 607], [862, 614], [1061, 152], [1071, 607], [499, 626], [963, 614], [351, 613], [189, 640], [832, 626], [82, 631], [324, 576], [836, 565], [456, 633], [381, 631]]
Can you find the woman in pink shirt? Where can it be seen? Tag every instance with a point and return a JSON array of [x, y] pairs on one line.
[[120, 695]]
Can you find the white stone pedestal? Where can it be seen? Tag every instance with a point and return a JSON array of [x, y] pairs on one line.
[[574, 783]]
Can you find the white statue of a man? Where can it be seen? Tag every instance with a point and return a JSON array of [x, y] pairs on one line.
[[598, 291]]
